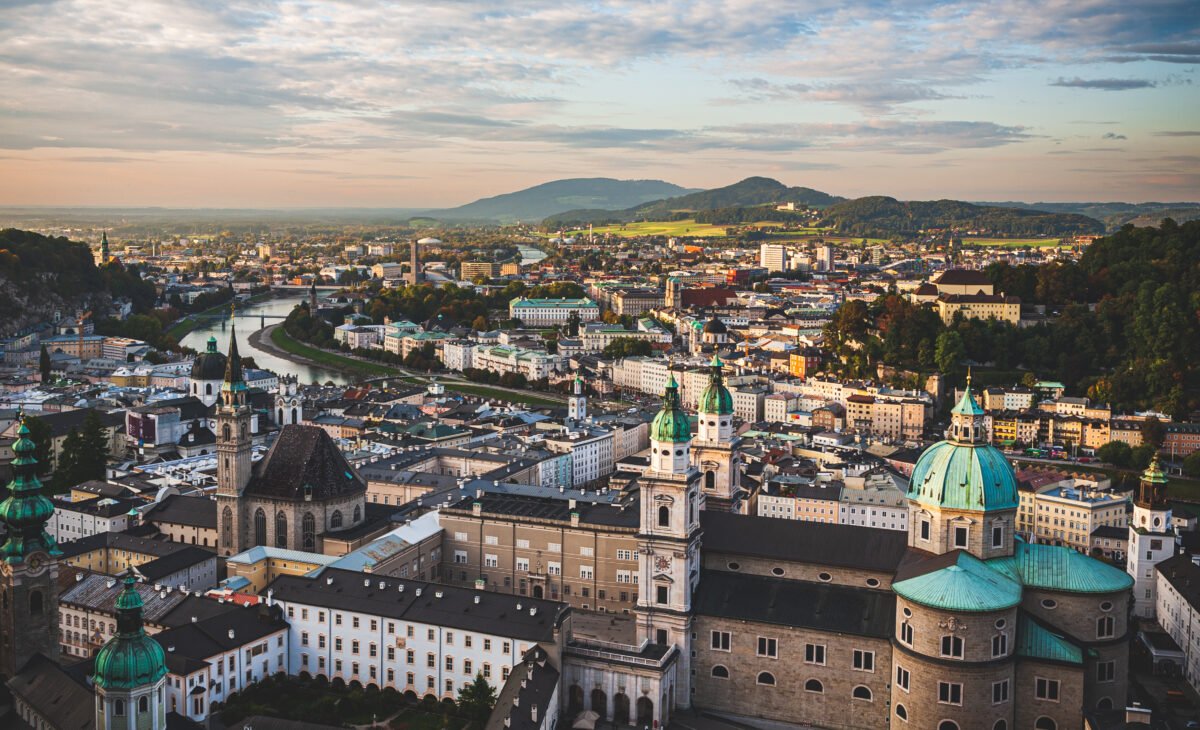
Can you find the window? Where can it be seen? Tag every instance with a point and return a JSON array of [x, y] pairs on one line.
[[335, 520], [1106, 671], [864, 661], [721, 640], [281, 530], [720, 672], [664, 516], [1104, 627], [948, 725], [143, 704], [999, 645], [814, 685], [337, 643], [950, 693], [493, 540], [766, 678], [1049, 603], [1000, 725], [814, 653], [997, 536], [960, 537], [119, 708], [586, 572], [925, 530], [490, 561], [1045, 723], [952, 646], [902, 677], [554, 568], [260, 527], [901, 713], [1046, 689], [768, 647], [999, 692], [354, 621], [906, 633], [308, 529], [431, 661], [664, 594], [861, 693]]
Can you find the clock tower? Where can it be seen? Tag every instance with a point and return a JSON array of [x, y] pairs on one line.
[[234, 443], [28, 565], [669, 538]]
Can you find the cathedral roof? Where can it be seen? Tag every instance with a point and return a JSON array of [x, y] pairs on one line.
[[1057, 568], [1037, 641], [963, 476], [965, 584], [304, 464], [210, 364]]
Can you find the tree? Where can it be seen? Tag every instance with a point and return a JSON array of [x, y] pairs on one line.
[[43, 438], [949, 352], [627, 347], [44, 364], [1114, 452], [1191, 464], [1140, 456], [1153, 432], [84, 453], [480, 324], [476, 700]]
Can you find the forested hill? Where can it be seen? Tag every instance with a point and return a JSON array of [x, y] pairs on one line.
[[753, 191], [542, 200], [40, 274], [882, 216]]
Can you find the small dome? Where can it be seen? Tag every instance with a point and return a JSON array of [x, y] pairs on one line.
[[429, 239], [715, 326], [131, 659], [716, 398], [671, 424], [210, 364]]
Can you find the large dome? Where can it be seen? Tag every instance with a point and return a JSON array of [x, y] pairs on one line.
[[210, 364], [964, 472], [715, 326], [715, 397], [671, 424], [131, 659]]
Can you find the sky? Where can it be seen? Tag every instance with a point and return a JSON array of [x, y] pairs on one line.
[[264, 103]]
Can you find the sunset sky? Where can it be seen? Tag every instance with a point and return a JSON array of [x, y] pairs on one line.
[[295, 104]]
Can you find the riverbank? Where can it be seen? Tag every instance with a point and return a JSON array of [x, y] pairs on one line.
[[180, 329]]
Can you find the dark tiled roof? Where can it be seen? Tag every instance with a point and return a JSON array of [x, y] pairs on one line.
[[179, 509], [208, 638], [960, 277], [121, 541], [62, 422], [532, 686], [550, 508], [496, 613], [304, 462], [821, 606], [168, 565], [845, 546], [56, 696]]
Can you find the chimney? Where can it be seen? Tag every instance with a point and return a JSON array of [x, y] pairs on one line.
[[533, 713]]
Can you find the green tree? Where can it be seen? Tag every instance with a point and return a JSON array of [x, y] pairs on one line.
[[1153, 432], [1140, 456], [627, 347], [949, 352], [44, 364], [480, 323], [1191, 464], [43, 438], [84, 453], [1116, 453], [476, 700]]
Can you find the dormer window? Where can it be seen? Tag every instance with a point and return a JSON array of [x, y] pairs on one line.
[[960, 537]]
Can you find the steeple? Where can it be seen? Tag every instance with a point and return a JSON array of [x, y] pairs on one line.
[[104, 248], [967, 419], [129, 668], [26, 510], [234, 386], [1152, 488], [577, 403], [670, 433]]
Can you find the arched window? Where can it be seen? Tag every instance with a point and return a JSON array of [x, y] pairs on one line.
[[260, 527], [952, 646], [281, 538], [710, 479], [35, 603], [814, 685], [664, 516], [901, 713], [1000, 725], [295, 419], [143, 704], [1104, 627], [227, 526], [861, 693], [1105, 703], [208, 389], [335, 520], [357, 514], [1045, 723], [948, 725], [308, 529], [118, 708], [226, 432], [720, 672], [280, 419], [766, 678]]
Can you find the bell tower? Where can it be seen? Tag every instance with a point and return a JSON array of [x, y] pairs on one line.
[[1151, 538], [28, 565], [669, 538], [577, 402], [714, 452], [233, 453]]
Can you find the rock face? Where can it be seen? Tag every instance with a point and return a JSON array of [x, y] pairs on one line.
[[40, 276]]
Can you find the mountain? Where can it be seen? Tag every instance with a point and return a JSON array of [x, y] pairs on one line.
[[1115, 215], [883, 216], [540, 201], [753, 191]]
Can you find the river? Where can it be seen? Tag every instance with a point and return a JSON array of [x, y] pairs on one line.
[[249, 321], [530, 255]]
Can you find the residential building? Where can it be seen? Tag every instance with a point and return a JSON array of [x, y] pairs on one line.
[[552, 312]]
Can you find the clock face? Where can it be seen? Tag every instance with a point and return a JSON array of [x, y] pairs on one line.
[[662, 563], [36, 563]]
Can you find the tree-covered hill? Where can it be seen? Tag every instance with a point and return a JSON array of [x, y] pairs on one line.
[[883, 216]]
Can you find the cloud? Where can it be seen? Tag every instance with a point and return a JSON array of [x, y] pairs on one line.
[[1113, 135], [1179, 133], [1105, 84]]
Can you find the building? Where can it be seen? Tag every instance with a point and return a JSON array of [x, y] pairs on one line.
[[1181, 440], [1151, 538], [208, 370], [979, 306], [772, 257], [635, 302], [1070, 513], [1177, 608], [472, 270], [533, 364], [74, 520], [552, 312], [964, 281], [876, 499]]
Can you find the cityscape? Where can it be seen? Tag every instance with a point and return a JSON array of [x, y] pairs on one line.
[[358, 374]]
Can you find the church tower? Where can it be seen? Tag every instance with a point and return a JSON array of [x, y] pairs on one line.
[[962, 494], [577, 402], [288, 407], [233, 453], [28, 565], [130, 671], [1151, 538], [312, 298], [104, 248], [669, 538], [715, 451]]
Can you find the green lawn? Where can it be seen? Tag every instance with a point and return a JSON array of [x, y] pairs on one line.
[[1013, 242], [285, 342], [687, 227]]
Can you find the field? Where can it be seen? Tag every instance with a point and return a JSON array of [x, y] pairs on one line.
[[686, 227], [281, 339], [1013, 242]]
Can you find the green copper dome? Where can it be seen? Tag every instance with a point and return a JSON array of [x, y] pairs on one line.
[[967, 585], [716, 397], [964, 472], [26, 510], [130, 659], [671, 424]]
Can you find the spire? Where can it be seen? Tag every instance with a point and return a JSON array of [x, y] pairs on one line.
[[233, 364], [1152, 488], [26, 510]]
